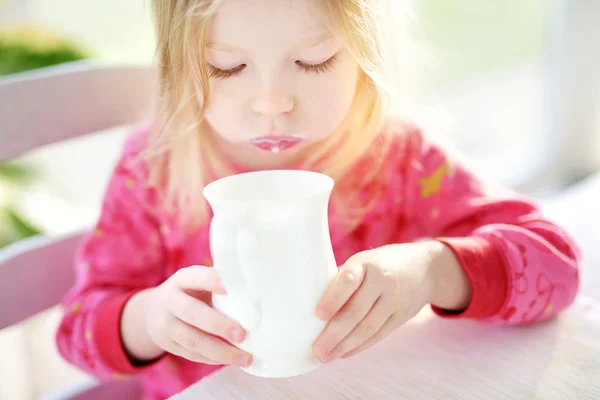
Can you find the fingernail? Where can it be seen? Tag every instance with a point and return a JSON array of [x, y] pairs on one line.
[[323, 313], [221, 288], [236, 334], [322, 353], [243, 360]]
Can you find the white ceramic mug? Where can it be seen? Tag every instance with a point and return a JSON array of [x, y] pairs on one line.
[[270, 244]]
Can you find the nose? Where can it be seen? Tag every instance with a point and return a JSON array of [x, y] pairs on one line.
[[271, 102]]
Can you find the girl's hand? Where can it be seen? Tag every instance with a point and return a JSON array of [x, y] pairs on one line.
[[180, 319], [378, 290]]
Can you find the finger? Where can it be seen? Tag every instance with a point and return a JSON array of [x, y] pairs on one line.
[[198, 277], [351, 314], [385, 330], [198, 314], [207, 346], [178, 350], [170, 346], [346, 282], [369, 326]]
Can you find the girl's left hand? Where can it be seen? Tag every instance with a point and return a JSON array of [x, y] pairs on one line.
[[377, 290]]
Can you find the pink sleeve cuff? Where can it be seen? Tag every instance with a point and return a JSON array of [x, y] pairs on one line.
[[107, 331], [486, 270]]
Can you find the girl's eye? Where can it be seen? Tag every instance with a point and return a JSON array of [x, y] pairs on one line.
[[325, 66], [225, 73]]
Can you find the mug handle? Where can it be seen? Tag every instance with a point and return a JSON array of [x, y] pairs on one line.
[[233, 258]]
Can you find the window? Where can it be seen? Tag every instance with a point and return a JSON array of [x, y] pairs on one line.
[[519, 78]]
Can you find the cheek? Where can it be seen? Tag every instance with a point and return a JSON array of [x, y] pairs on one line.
[[331, 98], [222, 112]]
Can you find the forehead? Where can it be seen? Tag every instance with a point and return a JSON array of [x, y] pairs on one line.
[[247, 23]]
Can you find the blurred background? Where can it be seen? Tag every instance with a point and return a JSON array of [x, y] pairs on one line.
[[516, 77]]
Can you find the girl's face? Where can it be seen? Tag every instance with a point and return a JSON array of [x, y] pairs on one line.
[[280, 80]]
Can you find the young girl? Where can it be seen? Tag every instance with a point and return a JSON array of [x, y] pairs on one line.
[[264, 84]]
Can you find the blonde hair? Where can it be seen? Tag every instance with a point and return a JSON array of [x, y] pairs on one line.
[[183, 160]]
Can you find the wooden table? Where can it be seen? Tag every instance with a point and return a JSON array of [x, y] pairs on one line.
[[432, 358]]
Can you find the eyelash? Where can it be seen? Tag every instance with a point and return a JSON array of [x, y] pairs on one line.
[[325, 66], [225, 73], [315, 68]]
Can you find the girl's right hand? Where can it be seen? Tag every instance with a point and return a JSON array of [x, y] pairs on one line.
[[180, 319]]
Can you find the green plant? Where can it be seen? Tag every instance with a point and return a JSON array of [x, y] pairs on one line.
[[13, 227], [27, 48], [24, 49]]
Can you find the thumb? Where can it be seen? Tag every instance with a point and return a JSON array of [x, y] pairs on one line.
[[198, 277], [343, 286]]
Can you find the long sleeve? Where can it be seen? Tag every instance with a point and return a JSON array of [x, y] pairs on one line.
[[124, 254], [521, 266]]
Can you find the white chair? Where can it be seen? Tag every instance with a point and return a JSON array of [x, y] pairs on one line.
[[44, 107]]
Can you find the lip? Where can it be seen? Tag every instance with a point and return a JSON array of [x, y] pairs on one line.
[[276, 143]]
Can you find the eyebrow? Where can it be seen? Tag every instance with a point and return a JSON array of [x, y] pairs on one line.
[[310, 42]]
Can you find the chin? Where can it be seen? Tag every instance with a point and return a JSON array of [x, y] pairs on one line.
[[282, 159]]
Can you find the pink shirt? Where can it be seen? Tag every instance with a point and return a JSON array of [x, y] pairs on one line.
[[522, 267]]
